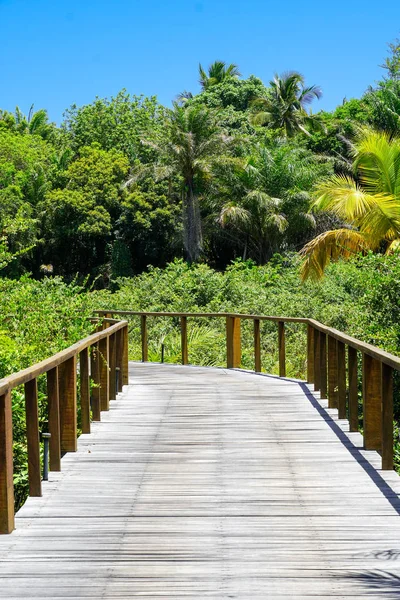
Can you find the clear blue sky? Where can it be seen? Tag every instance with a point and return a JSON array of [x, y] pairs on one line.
[[57, 52]]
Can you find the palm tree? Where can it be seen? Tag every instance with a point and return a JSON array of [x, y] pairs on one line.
[[194, 142], [369, 204], [218, 71], [258, 218], [286, 106]]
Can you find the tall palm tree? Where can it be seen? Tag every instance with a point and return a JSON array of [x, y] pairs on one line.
[[286, 106], [218, 71], [369, 204], [194, 142]]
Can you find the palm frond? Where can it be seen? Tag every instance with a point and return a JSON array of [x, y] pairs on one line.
[[330, 246]]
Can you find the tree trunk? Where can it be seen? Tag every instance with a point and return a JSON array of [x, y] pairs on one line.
[[193, 240]]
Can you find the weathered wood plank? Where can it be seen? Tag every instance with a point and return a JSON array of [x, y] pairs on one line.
[[372, 403], [282, 350]]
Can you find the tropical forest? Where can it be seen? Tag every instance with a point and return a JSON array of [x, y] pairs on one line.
[[242, 197]]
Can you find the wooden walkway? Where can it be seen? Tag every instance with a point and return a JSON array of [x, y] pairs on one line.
[[206, 483]]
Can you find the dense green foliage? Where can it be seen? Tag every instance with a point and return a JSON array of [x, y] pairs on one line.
[[225, 173]]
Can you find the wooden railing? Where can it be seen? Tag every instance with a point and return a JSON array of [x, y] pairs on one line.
[[332, 368], [103, 357]]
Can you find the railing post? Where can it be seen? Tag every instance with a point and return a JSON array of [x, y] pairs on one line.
[[317, 361], [125, 359], [112, 352], [282, 350], [95, 375], [85, 389], [54, 419], [7, 522], [68, 417], [233, 342], [310, 354], [143, 329], [372, 401], [341, 362], [353, 389], [184, 341], [387, 417], [33, 438], [104, 360], [323, 366], [257, 346], [332, 372]]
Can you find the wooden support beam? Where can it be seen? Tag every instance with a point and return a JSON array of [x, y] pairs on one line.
[[125, 359], [95, 375], [332, 373], [68, 402], [233, 342], [282, 349], [341, 362], [387, 417], [184, 341], [257, 346], [317, 361], [143, 329], [33, 438], [353, 389], [112, 355], [323, 366], [7, 521], [310, 354], [372, 403], [84, 389], [54, 419], [104, 360]]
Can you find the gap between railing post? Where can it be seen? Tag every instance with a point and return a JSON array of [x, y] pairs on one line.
[[257, 346], [341, 370], [317, 361], [353, 389], [84, 390], [112, 366], [104, 374], [332, 373], [95, 375], [387, 417], [310, 353], [54, 419], [323, 367], [282, 349]]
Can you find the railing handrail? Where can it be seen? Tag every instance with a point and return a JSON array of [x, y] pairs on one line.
[[382, 355], [12, 381]]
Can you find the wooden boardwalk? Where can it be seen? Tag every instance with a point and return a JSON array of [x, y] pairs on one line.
[[206, 483]]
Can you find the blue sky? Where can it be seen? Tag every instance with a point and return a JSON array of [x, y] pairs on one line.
[[55, 53]]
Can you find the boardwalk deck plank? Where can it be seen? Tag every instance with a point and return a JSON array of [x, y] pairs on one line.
[[207, 483]]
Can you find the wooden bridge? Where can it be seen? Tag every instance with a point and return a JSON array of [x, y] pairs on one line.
[[204, 482]]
